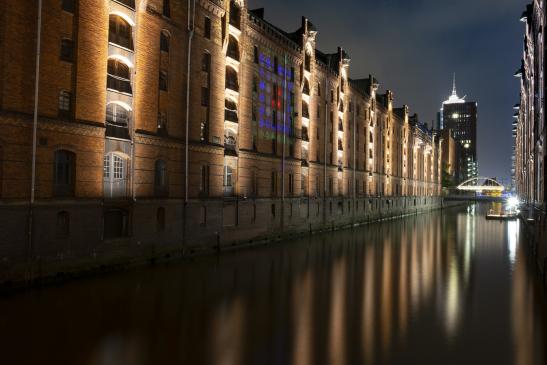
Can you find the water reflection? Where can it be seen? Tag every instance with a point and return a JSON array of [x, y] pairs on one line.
[[445, 288]]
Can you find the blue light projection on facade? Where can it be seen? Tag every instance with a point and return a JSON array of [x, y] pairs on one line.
[[269, 99]]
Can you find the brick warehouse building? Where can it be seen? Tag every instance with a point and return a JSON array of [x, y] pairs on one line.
[[168, 127]]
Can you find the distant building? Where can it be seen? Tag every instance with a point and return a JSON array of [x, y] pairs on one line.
[[460, 117]]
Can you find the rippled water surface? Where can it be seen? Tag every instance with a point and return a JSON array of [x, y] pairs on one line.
[[442, 288]]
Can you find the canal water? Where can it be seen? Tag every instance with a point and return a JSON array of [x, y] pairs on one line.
[[442, 288]]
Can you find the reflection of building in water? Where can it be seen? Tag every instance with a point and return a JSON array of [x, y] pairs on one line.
[[227, 339], [337, 350], [303, 309], [459, 253], [522, 300]]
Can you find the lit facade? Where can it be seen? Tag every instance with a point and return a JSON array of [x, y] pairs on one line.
[[529, 124], [157, 124]]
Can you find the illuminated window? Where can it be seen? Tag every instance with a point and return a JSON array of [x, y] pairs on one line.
[[305, 110], [120, 32], [230, 111], [235, 14], [232, 82], [306, 90], [228, 176], [233, 48], [230, 139], [118, 77], [117, 121]]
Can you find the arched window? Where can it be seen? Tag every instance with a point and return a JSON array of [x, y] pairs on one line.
[[115, 175], [120, 32], [232, 82], [306, 90], [160, 178], [318, 89], [230, 111], [305, 110], [235, 14], [160, 220], [164, 41], [119, 77], [233, 48], [62, 228], [230, 139], [117, 121], [341, 106], [64, 176]]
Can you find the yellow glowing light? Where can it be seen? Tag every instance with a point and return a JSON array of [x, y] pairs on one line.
[[455, 115]]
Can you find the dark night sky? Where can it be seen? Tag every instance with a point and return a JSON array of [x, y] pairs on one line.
[[414, 46]]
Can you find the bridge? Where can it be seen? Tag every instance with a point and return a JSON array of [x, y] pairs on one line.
[[477, 189], [487, 185]]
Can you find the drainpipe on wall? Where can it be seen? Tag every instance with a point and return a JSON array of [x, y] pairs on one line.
[[284, 140], [326, 93], [354, 154], [191, 18], [35, 126]]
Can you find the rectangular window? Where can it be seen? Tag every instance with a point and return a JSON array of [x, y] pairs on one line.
[[65, 101], [292, 74], [164, 42], [163, 80], [207, 28], [67, 50], [256, 57], [166, 8], [204, 96], [68, 5], [206, 62]]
